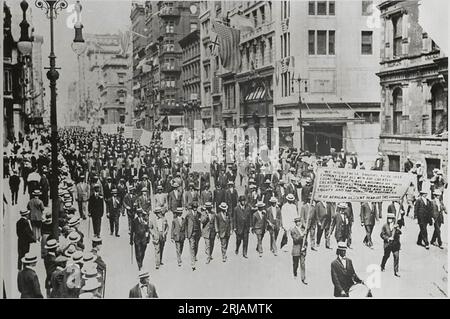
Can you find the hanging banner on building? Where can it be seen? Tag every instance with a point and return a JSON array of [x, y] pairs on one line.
[[167, 140], [128, 132], [349, 185], [146, 138]]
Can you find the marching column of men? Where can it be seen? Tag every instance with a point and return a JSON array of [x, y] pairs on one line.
[[117, 176]]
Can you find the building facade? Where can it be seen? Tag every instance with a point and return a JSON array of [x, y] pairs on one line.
[[190, 76], [414, 80], [326, 89], [38, 90]]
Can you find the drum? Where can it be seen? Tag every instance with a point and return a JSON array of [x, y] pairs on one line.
[[359, 291]]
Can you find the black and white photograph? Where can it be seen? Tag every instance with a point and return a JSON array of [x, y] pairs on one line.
[[283, 149]]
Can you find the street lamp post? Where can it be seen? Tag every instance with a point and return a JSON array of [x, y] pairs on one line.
[[300, 120]]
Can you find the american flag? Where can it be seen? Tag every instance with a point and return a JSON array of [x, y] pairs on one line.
[[228, 46]]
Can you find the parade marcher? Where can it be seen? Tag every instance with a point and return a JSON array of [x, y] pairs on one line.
[[259, 225], [50, 263], [144, 201], [343, 274], [139, 236], [193, 231], [423, 211], [144, 289], [350, 218], [95, 209], [206, 195], [280, 193], [25, 236], [161, 199], [175, 198], [288, 212], [322, 216], [178, 233], [191, 195], [307, 215], [91, 286], [208, 220], [129, 203], [223, 228], [231, 199], [44, 186], [83, 193], [113, 212], [408, 165], [14, 185], [72, 275], [438, 217], [419, 171], [36, 208], [27, 279], [158, 230], [368, 217], [298, 234], [57, 278], [340, 224], [242, 224], [390, 233], [274, 222]]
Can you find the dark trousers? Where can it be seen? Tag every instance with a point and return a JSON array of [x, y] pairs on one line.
[[259, 238], [379, 208], [296, 260], [244, 239], [179, 248], [209, 247], [114, 224], [273, 239], [224, 246], [437, 234], [368, 239], [312, 234], [325, 230], [423, 235], [139, 249], [81, 208], [387, 253], [349, 234], [96, 224], [419, 183], [25, 184], [22, 250], [193, 245], [14, 196]]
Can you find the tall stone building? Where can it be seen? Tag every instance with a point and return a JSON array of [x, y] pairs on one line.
[[414, 80]]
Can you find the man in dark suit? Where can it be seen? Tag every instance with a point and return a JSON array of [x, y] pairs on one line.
[[193, 231], [340, 223], [95, 209], [298, 233], [25, 236], [231, 199], [178, 233], [259, 225], [27, 279], [223, 228], [390, 233], [107, 188], [438, 217], [206, 196], [343, 274], [139, 236], [50, 263], [113, 207], [368, 217], [144, 289], [242, 223], [159, 228], [175, 198], [323, 221], [208, 221], [14, 185], [274, 222], [219, 195], [423, 211]]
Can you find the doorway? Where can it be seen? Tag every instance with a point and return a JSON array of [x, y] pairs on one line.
[[320, 138], [394, 163], [432, 163]]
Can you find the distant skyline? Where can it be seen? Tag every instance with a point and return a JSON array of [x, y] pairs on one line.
[[98, 17]]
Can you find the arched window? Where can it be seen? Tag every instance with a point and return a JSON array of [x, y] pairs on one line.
[[439, 109], [397, 96]]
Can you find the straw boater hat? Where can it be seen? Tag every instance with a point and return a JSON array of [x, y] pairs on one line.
[[96, 241], [342, 246], [297, 219], [157, 210], [88, 256], [143, 274], [260, 205], [342, 205], [24, 212], [423, 191], [70, 251], [91, 284], [223, 206], [290, 197], [273, 200], [74, 237], [86, 295], [37, 192], [51, 244], [437, 192], [74, 221], [208, 205], [29, 258]]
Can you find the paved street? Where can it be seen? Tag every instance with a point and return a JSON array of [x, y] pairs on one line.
[[267, 277]]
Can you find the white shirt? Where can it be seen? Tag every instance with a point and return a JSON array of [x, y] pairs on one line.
[[289, 213], [144, 291], [159, 224], [343, 261], [438, 203]]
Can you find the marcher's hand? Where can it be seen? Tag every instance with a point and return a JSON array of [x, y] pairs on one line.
[[343, 293]]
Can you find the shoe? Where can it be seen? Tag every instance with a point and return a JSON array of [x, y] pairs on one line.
[[157, 267], [245, 256], [328, 247], [111, 234], [208, 261], [304, 282], [117, 235], [396, 274], [440, 246], [382, 269], [260, 255], [193, 268], [275, 254], [427, 247], [313, 248], [224, 260], [179, 264]]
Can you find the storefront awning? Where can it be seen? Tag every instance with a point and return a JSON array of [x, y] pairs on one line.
[[256, 94]]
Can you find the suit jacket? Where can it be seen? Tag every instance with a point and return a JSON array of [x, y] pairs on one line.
[[218, 198], [307, 215], [259, 224], [223, 225], [190, 197], [113, 212], [28, 284], [14, 182], [175, 201], [83, 191], [50, 267], [145, 204], [298, 238], [242, 219], [387, 233], [208, 225], [322, 215], [341, 226], [161, 201], [205, 196], [192, 225], [438, 215], [135, 292], [95, 206], [36, 208], [274, 216], [343, 278], [178, 231], [24, 232], [423, 212], [231, 198], [367, 215], [139, 231], [155, 233]]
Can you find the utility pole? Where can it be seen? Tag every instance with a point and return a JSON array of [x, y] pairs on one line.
[[300, 120]]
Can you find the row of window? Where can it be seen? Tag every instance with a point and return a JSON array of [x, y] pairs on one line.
[[191, 71], [191, 51], [323, 42], [191, 92], [323, 8]]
